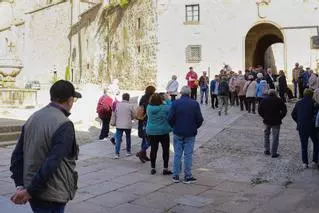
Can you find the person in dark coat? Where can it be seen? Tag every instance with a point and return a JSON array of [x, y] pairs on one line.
[[270, 78], [282, 85], [304, 114], [272, 109], [300, 82], [149, 91]]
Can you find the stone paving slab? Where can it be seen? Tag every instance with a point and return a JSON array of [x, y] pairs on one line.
[[194, 201], [233, 174], [113, 199], [179, 189], [158, 200], [7, 207], [124, 208]]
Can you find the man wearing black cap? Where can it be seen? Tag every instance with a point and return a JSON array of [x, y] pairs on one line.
[[44, 159]]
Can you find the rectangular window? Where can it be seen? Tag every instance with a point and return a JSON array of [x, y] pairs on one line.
[[193, 53], [192, 13]]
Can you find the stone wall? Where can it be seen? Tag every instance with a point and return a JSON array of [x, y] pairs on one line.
[[132, 56], [46, 43], [120, 44]]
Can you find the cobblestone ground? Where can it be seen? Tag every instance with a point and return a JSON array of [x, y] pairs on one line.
[[233, 174]]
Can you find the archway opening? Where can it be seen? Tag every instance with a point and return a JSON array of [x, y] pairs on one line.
[[260, 44]]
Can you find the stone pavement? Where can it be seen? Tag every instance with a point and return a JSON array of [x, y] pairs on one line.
[[233, 175]]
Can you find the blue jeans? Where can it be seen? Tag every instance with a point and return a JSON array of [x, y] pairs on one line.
[[118, 140], [46, 207], [145, 142], [204, 92], [186, 145]]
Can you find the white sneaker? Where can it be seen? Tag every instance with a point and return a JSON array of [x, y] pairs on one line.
[[305, 166], [116, 157], [314, 165], [128, 154]]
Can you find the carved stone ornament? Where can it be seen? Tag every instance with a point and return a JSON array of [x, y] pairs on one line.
[[263, 2], [261, 7]]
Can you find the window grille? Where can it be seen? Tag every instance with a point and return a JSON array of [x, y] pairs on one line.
[[193, 54]]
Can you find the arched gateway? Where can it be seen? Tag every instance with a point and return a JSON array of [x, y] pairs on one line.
[[258, 39]]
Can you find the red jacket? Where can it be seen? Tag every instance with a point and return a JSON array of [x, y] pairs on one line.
[[104, 106], [191, 83]]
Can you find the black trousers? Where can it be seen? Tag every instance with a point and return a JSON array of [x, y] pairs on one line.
[[243, 102], [234, 98], [155, 140], [282, 95], [259, 99], [251, 104], [304, 138], [214, 100], [105, 128], [301, 89], [194, 93]]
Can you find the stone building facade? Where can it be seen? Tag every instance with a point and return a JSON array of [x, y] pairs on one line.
[[234, 32], [38, 31], [147, 41]]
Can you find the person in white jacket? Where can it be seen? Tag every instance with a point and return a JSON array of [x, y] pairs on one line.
[[124, 114], [250, 88], [172, 88]]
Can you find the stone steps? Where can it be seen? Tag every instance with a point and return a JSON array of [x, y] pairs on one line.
[[9, 136], [11, 128], [7, 143]]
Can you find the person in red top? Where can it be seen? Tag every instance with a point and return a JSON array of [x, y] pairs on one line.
[[192, 82], [104, 110]]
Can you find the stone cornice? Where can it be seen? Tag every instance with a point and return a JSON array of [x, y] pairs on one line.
[[45, 7], [15, 24]]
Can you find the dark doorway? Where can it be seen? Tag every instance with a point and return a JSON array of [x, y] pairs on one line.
[[258, 40]]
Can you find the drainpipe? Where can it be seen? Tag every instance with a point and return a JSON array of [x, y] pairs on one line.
[[70, 43]]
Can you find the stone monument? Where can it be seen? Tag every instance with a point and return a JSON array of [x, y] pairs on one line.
[[10, 64]]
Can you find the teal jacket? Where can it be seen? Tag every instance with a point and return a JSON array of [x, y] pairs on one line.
[[157, 123]]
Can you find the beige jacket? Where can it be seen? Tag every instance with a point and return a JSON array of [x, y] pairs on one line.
[[241, 83], [295, 74], [124, 114], [251, 89]]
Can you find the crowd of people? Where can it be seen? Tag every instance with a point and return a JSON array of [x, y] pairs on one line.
[[158, 114], [44, 159], [237, 89], [270, 91]]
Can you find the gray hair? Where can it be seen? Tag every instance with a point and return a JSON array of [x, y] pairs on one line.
[[272, 92], [185, 90], [316, 96]]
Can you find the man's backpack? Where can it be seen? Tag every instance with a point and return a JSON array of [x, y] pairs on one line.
[[103, 109], [140, 113], [223, 88], [264, 88]]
